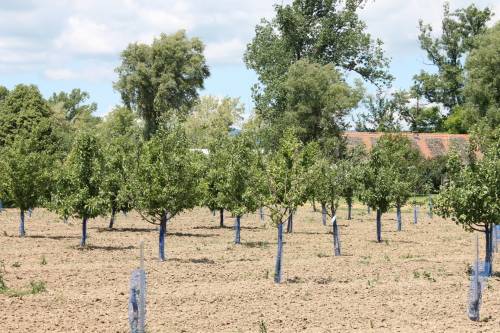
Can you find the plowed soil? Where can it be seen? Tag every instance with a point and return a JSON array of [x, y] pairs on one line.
[[414, 281]]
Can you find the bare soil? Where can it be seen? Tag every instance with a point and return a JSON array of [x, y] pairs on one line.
[[414, 281]]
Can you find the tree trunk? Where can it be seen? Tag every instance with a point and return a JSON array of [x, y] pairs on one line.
[[323, 213], [237, 230], [415, 214], [336, 237], [488, 259], [83, 241], [368, 209], [379, 226], [277, 270], [112, 218], [163, 232], [29, 212], [430, 206], [221, 212], [289, 227], [314, 206], [398, 216], [349, 210], [22, 232]]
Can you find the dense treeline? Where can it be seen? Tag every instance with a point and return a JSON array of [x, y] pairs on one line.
[[167, 150]]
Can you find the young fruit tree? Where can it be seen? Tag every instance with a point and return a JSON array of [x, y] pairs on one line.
[[214, 178], [470, 196], [25, 175], [281, 184], [378, 175], [238, 187], [78, 191], [166, 181], [404, 161], [350, 174], [121, 136], [328, 183]]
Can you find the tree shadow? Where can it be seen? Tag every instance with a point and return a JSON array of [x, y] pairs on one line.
[[125, 230], [52, 237], [193, 261], [105, 248], [212, 227], [249, 228], [309, 233], [256, 244], [187, 234]]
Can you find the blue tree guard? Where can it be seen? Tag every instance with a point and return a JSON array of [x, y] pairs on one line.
[[430, 206], [261, 213], [323, 214], [496, 237], [1, 206], [336, 236], [137, 299], [479, 276], [279, 256], [415, 214]]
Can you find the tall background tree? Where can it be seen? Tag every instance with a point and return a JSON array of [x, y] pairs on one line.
[[446, 53], [318, 33], [161, 80], [210, 116]]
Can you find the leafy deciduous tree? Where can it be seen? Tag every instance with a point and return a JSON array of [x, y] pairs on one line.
[[161, 79]]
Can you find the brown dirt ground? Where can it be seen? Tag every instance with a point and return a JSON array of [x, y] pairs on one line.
[[414, 281]]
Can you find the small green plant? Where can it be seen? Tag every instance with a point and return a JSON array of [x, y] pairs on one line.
[[322, 255], [44, 261], [37, 287], [17, 264], [386, 257], [3, 286], [428, 276], [295, 279], [365, 260], [416, 274], [262, 326]]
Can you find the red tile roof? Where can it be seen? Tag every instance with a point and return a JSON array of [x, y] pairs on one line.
[[429, 144]]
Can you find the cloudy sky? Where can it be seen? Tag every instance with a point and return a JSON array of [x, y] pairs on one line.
[[65, 44]]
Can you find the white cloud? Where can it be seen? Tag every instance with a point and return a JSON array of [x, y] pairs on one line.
[[59, 74], [83, 36], [227, 51], [91, 72]]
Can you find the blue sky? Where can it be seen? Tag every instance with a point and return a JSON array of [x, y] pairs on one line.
[[65, 44]]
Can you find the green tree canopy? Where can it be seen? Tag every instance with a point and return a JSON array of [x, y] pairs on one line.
[[122, 140], [166, 181], [21, 110], [482, 87], [162, 79], [447, 52], [471, 194], [74, 104], [79, 189], [381, 113], [209, 116], [317, 101], [388, 176], [25, 175]]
